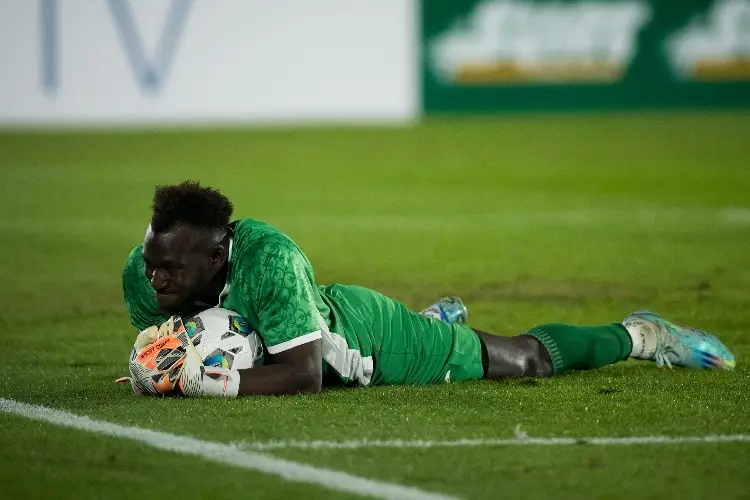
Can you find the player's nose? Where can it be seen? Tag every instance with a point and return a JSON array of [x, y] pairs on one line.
[[159, 281]]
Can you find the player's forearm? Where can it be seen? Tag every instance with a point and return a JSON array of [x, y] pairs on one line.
[[280, 379]]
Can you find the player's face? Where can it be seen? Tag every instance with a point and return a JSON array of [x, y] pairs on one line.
[[179, 265]]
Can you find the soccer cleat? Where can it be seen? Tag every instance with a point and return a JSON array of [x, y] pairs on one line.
[[679, 345], [448, 309]]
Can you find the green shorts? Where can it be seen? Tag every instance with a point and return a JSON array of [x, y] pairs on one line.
[[408, 348]]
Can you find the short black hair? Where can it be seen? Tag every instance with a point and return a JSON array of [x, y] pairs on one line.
[[191, 203]]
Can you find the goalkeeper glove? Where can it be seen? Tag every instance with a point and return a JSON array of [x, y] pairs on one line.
[[145, 338], [199, 380]]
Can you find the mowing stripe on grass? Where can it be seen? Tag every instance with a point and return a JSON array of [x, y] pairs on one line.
[[223, 453], [517, 441], [646, 218]]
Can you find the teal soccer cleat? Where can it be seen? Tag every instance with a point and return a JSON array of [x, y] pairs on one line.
[[673, 344]]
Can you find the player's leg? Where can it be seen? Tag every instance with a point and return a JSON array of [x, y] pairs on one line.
[[557, 348], [414, 349]]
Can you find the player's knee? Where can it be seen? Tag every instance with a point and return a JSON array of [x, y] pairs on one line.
[[538, 361], [532, 362]]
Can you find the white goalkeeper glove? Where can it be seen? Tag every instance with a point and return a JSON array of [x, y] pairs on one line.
[[199, 380]]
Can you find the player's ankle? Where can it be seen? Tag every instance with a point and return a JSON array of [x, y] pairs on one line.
[[644, 340]]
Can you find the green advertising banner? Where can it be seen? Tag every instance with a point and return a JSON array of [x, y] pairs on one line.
[[492, 55]]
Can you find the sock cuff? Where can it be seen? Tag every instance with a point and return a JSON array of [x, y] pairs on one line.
[[626, 338], [551, 345]]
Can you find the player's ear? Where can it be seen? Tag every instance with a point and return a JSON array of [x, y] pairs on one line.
[[218, 256]]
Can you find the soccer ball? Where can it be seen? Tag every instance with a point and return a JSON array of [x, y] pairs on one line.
[[224, 339]]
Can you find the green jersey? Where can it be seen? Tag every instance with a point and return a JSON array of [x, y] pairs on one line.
[[271, 284]]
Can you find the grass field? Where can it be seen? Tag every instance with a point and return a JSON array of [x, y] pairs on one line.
[[577, 219]]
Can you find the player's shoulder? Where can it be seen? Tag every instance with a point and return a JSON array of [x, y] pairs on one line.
[[259, 241], [252, 228], [136, 252], [254, 234], [134, 262]]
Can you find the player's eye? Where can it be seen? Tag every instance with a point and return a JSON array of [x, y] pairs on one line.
[[173, 270]]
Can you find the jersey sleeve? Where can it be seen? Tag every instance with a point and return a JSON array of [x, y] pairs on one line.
[[139, 297], [285, 297]]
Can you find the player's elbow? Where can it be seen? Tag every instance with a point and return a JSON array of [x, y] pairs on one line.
[[310, 381], [302, 368], [311, 388]]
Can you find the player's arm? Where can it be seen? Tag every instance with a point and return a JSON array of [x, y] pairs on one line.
[[297, 370], [288, 323]]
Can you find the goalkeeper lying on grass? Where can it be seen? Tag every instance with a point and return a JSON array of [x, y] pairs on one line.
[[192, 258]]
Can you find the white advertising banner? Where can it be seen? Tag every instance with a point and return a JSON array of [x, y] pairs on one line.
[[92, 62]]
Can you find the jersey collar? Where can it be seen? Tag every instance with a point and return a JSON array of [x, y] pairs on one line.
[[225, 290]]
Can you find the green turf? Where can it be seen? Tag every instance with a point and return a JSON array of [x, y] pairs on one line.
[[576, 219], [41, 461]]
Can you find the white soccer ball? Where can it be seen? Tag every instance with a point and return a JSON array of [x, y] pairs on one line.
[[224, 339]]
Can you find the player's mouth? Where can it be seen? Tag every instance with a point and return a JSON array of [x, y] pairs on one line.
[[167, 300]]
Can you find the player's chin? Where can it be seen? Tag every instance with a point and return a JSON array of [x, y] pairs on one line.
[[170, 303]]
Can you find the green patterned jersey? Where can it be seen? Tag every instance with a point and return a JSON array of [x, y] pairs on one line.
[[271, 284]]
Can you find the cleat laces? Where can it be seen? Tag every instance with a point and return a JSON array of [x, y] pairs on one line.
[[664, 339]]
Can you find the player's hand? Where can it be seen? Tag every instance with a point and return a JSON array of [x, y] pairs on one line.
[[157, 357], [144, 338], [154, 333], [199, 380]]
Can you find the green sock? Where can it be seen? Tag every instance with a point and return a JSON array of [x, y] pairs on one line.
[[583, 347]]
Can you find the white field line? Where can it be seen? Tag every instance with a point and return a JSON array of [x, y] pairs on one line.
[[517, 441], [223, 453]]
